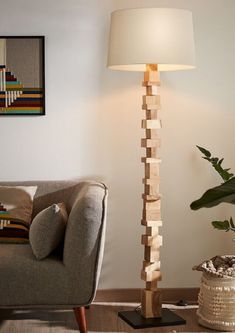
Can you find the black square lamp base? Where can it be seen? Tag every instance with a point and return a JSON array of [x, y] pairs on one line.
[[135, 320]]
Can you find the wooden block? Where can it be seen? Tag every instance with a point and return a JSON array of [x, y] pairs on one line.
[[152, 204], [151, 152], [150, 160], [151, 223], [151, 181], [151, 214], [151, 303], [151, 170], [151, 123], [151, 253], [152, 231], [151, 196], [151, 106], [152, 285], [155, 240], [151, 78], [151, 266], [154, 99], [145, 143], [151, 276], [151, 114], [151, 102], [151, 67], [151, 90], [151, 134], [151, 190]]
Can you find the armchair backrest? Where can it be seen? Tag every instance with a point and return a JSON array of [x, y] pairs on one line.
[[50, 192]]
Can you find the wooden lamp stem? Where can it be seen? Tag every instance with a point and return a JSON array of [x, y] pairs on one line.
[[150, 296]]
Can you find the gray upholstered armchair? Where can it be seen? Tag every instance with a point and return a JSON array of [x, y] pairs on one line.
[[67, 279]]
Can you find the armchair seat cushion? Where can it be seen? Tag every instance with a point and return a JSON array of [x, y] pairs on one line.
[[26, 281]]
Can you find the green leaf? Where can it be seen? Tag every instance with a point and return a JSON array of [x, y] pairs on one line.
[[221, 225], [214, 160], [204, 151], [214, 196], [207, 158], [216, 163], [231, 222]]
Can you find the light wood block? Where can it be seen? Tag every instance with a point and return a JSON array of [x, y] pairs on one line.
[[151, 181], [152, 204], [151, 134], [151, 78], [151, 253], [151, 223], [152, 231], [152, 214], [151, 152], [151, 285], [155, 240], [151, 67], [151, 190], [150, 160], [151, 276], [150, 267], [151, 114], [154, 99], [151, 197], [151, 170], [151, 102], [154, 89], [151, 90], [151, 124], [151, 303], [145, 143]]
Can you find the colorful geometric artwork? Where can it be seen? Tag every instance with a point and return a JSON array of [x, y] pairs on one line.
[[4, 216], [22, 80]]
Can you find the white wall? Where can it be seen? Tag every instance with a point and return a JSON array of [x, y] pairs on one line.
[[92, 128]]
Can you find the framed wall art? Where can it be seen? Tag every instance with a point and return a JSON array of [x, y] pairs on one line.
[[22, 75]]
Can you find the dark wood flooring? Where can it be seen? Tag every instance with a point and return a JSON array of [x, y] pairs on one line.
[[101, 318]]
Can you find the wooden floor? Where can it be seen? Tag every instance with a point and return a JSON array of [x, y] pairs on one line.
[[101, 318]]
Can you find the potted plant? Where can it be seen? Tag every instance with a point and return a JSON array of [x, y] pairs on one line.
[[217, 291]]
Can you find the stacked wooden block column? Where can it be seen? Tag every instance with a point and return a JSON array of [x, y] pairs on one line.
[[151, 218]]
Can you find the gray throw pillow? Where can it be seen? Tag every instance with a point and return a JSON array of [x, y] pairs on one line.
[[47, 230]]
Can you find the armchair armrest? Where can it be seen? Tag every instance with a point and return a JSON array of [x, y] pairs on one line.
[[84, 240]]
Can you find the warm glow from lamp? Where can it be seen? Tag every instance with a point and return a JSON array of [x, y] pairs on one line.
[[162, 36]]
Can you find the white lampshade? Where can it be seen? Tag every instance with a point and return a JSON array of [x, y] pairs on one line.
[[162, 36]]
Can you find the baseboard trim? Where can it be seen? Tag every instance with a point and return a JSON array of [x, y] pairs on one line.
[[170, 295]]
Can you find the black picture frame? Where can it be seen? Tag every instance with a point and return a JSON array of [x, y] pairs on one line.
[[20, 106]]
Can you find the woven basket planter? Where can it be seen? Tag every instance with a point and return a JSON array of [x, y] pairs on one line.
[[217, 303]]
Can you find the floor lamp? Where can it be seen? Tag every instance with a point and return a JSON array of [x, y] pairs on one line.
[[151, 40]]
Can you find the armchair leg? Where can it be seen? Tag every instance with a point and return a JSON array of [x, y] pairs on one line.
[[80, 315]]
